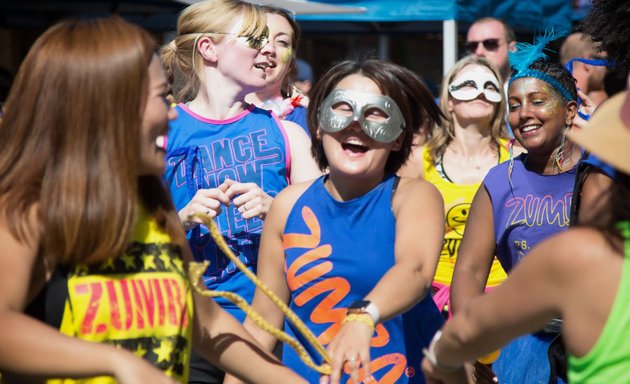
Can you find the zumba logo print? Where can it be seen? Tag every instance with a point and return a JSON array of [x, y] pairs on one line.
[[128, 306], [335, 289], [450, 247], [535, 211]]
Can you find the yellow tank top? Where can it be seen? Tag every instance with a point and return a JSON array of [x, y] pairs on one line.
[[457, 201], [141, 301]]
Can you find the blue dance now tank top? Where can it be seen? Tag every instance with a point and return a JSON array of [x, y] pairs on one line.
[[335, 253], [251, 147]]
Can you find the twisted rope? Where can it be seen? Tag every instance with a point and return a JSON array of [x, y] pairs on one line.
[[195, 270]]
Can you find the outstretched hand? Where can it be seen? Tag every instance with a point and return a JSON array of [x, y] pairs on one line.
[[350, 351]]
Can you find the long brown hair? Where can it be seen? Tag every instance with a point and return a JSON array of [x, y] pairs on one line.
[[70, 140]]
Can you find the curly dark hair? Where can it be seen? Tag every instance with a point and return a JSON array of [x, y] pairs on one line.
[[557, 72], [401, 84], [608, 23]]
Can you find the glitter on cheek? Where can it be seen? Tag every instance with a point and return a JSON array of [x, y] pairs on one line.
[[286, 56]]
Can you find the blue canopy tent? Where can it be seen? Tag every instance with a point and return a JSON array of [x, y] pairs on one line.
[[523, 15]]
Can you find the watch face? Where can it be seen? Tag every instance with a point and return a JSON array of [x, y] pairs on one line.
[[359, 304]]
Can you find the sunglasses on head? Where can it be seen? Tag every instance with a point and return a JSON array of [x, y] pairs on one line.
[[488, 44]]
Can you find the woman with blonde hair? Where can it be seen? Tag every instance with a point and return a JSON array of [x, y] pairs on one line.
[[227, 158], [470, 140], [92, 248]]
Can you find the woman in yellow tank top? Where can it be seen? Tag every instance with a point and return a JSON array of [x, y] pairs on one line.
[[88, 229], [457, 156]]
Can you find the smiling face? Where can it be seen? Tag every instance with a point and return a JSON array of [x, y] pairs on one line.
[[154, 127], [280, 50], [350, 151], [538, 115], [471, 79]]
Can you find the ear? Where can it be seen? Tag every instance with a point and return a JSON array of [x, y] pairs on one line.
[[572, 108], [318, 133], [398, 142], [207, 49], [512, 46], [449, 105]]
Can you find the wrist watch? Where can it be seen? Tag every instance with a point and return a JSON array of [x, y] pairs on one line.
[[365, 306]]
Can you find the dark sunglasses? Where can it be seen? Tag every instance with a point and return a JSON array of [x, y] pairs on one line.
[[488, 44]]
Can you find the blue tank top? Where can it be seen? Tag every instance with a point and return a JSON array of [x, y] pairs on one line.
[[335, 253], [201, 153], [298, 116], [528, 209]]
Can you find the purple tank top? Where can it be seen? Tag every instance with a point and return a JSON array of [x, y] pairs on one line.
[[528, 210]]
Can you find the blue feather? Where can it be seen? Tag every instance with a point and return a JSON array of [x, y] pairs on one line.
[[527, 53]]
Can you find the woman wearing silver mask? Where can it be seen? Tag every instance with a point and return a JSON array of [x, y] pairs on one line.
[[471, 140], [354, 250]]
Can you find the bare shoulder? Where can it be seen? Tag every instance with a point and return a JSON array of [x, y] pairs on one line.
[[285, 200], [293, 129], [414, 188]]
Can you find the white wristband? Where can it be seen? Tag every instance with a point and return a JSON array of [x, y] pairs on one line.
[[372, 310], [430, 354]]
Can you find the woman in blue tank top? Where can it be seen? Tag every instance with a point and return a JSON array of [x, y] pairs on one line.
[[353, 253], [227, 158], [525, 200]]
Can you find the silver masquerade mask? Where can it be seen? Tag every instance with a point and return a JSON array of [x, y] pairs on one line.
[[469, 85], [385, 128]]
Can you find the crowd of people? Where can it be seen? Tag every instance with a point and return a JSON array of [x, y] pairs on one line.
[[418, 241]]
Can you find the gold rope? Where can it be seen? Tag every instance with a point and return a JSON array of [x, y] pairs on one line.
[[195, 270]]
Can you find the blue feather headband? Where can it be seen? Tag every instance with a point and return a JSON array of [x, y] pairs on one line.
[[526, 54]]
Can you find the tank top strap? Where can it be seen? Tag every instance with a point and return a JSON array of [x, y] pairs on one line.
[[624, 228]]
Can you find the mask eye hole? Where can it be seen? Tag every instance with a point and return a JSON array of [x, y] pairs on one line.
[[491, 86], [342, 108], [376, 115]]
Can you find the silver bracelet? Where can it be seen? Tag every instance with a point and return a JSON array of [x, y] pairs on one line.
[[430, 355]]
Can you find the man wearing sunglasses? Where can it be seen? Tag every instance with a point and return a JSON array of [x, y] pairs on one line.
[[492, 38]]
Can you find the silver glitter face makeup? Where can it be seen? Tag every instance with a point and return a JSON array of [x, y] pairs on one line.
[[385, 127]]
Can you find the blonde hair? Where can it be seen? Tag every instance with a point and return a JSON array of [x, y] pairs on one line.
[[444, 134], [182, 64]]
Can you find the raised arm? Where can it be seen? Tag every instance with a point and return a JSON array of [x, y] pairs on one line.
[[475, 253], [419, 212], [562, 269]]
